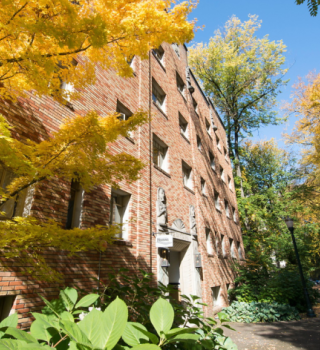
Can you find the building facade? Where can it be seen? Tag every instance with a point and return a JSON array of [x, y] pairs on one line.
[[186, 190]]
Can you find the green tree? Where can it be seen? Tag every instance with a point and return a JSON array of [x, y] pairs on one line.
[[312, 5], [242, 74]]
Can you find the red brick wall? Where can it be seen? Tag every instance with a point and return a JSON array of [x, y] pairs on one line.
[[36, 118]]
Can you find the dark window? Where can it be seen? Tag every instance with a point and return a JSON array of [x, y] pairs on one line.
[[187, 175], [159, 53], [180, 84], [199, 144], [183, 126], [75, 205], [158, 95], [6, 303], [119, 211]]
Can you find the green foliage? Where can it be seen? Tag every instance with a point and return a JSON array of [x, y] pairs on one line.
[[272, 286], [67, 323], [312, 5], [261, 312]]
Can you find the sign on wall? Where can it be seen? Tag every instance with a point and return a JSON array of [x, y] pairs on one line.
[[164, 241]]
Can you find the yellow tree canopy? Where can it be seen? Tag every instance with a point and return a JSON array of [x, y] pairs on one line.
[[40, 40]]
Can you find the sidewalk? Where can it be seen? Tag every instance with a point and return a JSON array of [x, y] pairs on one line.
[[294, 335]]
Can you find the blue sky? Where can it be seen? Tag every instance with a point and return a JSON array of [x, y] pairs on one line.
[[282, 20]]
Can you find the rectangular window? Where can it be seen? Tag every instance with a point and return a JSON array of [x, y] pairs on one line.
[[6, 303], [239, 251], [215, 292], [223, 245], [217, 200], [203, 186], [218, 142], [209, 242], [158, 95], [222, 174], [225, 154], [217, 244], [187, 175], [160, 153], [199, 144], [232, 249], [180, 84], [234, 214], [195, 105], [119, 211], [159, 53], [229, 183], [208, 127], [176, 49], [226, 204], [125, 114], [183, 126], [75, 205], [212, 162]]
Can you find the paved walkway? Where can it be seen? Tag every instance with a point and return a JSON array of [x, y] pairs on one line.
[[294, 335]]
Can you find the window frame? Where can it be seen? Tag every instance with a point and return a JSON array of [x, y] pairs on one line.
[[212, 161], [124, 199], [180, 83], [182, 121], [209, 246], [187, 170], [203, 186], [162, 153], [199, 143], [158, 95], [217, 203]]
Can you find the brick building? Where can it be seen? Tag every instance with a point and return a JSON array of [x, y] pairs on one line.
[[186, 189]]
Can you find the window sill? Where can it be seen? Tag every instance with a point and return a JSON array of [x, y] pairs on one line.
[[130, 139], [160, 110], [218, 210], [161, 170], [185, 137], [162, 66], [122, 242], [188, 189]]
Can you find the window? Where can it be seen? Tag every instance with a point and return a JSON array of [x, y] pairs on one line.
[[208, 128], [176, 49], [159, 53], [203, 186], [225, 154], [226, 204], [14, 206], [239, 251], [160, 153], [131, 62], [222, 174], [229, 183], [119, 211], [158, 95], [218, 142], [125, 113], [212, 162], [180, 84], [75, 205], [232, 250], [183, 126], [215, 292], [187, 175], [234, 214], [6, 303], [209, 242], [195, 105], [199, 144], [217, 244], [223, 245], [217, 200]]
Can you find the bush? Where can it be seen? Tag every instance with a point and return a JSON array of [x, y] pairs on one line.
[[277, 286], [260, 312]]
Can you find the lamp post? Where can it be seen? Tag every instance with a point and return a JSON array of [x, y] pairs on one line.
[[289, 223]]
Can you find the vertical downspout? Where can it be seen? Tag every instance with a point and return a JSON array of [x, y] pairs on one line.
[[150, 160]]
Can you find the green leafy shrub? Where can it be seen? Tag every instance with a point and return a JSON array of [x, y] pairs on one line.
[[272, 286], [260, 312], [69, 323]]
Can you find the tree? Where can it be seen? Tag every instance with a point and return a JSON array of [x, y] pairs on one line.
[[312, 5], [40, 40], [42, 44], [242, 74]]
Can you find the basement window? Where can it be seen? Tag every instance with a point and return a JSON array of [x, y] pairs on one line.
[[6, 303], [158, 95], [160, 153], [119, 211], [75, 205]]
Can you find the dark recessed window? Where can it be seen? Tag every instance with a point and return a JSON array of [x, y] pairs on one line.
[[180, 84], [158, 95], [183, 126]]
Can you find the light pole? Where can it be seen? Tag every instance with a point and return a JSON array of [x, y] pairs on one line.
[[289, 223]]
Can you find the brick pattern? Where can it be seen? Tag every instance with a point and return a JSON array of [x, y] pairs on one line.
[[37, 118]]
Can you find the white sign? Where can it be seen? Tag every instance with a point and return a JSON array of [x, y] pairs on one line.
[[164, 241]]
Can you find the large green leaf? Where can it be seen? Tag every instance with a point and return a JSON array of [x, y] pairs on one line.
[[104, 329], [72, 294], [21, 335], [75, 333], [10, 344], [185, 338], [133, 336], [87, 300], [11, 321], [67, 297], [175, 331], [42, 328], [50, 306], [161, 316], [67, 316], [154, 339], [146, 347]]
